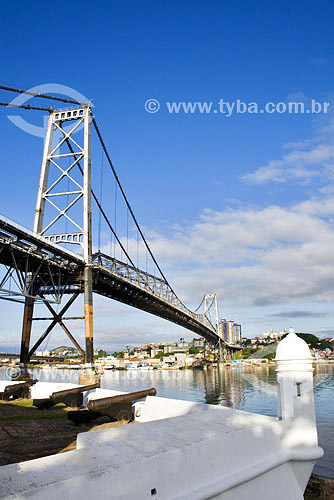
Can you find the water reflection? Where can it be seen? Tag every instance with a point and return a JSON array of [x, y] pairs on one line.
[[224, 386]]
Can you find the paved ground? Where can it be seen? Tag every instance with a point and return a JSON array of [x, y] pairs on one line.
[[27, 433]]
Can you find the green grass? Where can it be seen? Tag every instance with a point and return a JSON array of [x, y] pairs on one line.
[[41, 416], [22, 403], [27, 403]]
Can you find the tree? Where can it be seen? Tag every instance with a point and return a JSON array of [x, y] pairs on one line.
[[246, 352], [193, 350], [161, 355], [102, 353], [324, 344], [118, 354]]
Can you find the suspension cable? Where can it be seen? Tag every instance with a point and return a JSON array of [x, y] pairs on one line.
[[115, 216], [100, 207], [101, 179], [9, 105], [21, 91], [205, 310], [43, 96], [127, 203], [200, 304], [127, 230]]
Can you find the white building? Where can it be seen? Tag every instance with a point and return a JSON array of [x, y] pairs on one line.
[[236, 336], [271, 335], [43, 353]]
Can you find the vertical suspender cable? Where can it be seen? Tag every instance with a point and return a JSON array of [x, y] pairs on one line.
[[128, 205], [100, 207], [100, 215], [137, 251], [67, 196], [127, 231], [115, 216]]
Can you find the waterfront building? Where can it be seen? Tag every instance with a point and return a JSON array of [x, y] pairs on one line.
[[236, 333], [183, 344], [223, 329], [155, 351], [169, 348], [43, 353], [198, 342], [180, 358], [230, 331], [271, 335]]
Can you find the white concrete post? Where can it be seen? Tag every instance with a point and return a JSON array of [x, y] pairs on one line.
[[296, 405], [294, 378]]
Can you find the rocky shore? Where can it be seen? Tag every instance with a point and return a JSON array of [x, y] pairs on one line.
[[319, 488]]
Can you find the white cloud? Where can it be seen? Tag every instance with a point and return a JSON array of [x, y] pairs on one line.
[[277, 256], [254, 257], [306, 160], [300, 165]]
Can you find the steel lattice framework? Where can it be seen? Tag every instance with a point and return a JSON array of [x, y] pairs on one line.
[[58, 272], [54, 193], [38, 269]]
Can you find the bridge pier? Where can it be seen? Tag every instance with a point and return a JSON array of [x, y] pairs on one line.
[[88, 293], [57, 272], [220, 351], [26, 330], [25, 338]]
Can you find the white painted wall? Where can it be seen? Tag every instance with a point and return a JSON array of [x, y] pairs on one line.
[[199, 452]]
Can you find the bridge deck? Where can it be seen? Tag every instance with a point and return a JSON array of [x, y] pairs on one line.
[[59, 271]]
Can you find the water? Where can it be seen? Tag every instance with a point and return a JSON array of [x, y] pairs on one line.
[[246, 388]]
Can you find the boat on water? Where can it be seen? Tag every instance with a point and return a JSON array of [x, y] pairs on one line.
[[185, 450]]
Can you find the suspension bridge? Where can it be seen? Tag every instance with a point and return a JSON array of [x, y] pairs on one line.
[[38, 266]]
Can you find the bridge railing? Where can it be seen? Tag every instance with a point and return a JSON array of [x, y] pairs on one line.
[[149, 282]]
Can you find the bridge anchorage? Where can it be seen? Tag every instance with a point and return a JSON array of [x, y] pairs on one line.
[[44, 271]]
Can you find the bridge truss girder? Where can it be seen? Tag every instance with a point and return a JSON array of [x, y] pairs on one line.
[[116, 288], [116, 280], [25, 269], [34, 271], [58, 318]]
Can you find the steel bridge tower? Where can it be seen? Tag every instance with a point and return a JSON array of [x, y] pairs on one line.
[[61, 199]]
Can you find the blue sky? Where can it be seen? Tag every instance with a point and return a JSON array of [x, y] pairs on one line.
[[241, 206]]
